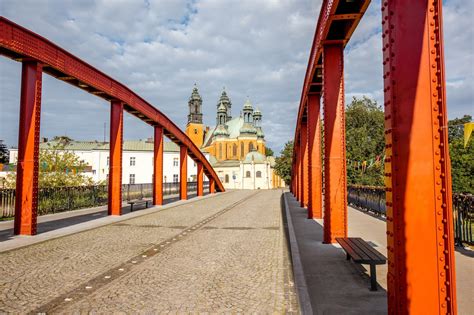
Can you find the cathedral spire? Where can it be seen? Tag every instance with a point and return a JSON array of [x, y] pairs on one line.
[[225, 100], [195, 105]]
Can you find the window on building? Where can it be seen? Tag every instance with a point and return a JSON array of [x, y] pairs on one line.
[[226, 178], [259, 174], [132, 161], [195, 131], [132, 179], [220, 151], [175, 178], [250, 147], [247, 174], [242, 150], [108, 160], [234, 150], [175, 162]]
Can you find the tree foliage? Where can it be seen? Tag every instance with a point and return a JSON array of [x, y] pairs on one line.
[[3, 153], [283, 162], [364, 141], [58, 167], [462, 159], [268, 152]]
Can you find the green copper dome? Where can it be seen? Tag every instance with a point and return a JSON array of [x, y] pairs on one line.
[[255, 157]]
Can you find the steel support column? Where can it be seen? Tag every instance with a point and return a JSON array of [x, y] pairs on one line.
[[304, 164], [315, 208], [297, 172], [212, 185], [183, 172], [115, 158], [26, 204], [200, 179], [158, 167], [421, 275], [335, 202]]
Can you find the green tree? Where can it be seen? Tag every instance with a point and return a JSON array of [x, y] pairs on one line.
[[462, 161], [283, 162], [364, 141], [269, 152], [3, 153], [58, 167]]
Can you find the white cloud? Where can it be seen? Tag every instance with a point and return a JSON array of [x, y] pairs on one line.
[[160, 48]]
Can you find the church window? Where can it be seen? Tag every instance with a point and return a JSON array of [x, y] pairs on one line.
[[250, 147], [242, 150], [226, 178], [259, 174], [195, 131], [247, 174], [234, 150], [220, 151]]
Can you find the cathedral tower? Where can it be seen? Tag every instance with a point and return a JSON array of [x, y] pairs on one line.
[[195, 127]]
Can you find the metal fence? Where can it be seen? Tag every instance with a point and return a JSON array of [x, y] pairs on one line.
[[59, 199], [373, 199]]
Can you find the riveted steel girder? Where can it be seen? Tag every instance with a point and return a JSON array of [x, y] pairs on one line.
[[335, 188], [421, 276], [315, 207]]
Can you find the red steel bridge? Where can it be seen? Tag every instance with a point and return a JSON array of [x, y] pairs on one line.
[[421, 275], [38, 55]]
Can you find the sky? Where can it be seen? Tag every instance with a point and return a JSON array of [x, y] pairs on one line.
[[161, 48]]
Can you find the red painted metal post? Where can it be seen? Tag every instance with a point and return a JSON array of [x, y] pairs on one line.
[[315, 207], [212, 185], [26, 204], [200, 179], [421, 275], [297, 172], [183, 172], [158, 167], [115, 158], [304, 164], [335, 202]]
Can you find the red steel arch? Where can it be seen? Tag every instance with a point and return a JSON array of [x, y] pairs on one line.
[[39, 55], [421, 276]]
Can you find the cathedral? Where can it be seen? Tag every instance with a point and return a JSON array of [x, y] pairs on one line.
[[235, 146]]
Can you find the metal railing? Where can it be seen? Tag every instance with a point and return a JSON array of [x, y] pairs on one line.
[[59, 199], [373, 199]]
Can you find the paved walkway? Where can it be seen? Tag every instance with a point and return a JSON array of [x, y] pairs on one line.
[[226, 253], [336, 286]]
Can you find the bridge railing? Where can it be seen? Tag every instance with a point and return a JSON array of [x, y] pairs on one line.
[[372, 199], [59, 199]]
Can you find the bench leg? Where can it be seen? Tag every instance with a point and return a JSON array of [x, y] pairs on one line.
[[373, 278], [131, 207], [347, 256]]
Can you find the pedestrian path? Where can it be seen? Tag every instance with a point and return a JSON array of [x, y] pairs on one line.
[[226, 253], [337, 286]]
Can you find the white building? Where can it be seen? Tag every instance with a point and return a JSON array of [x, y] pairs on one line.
[[137, 160], [254, 172]]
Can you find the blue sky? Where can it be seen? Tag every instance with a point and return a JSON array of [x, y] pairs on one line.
[[160, 48]]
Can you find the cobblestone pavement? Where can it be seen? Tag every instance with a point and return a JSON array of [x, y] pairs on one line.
[[223, 254]]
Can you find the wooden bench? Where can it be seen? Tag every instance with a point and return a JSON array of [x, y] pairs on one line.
[[138, 202], [361, 252]]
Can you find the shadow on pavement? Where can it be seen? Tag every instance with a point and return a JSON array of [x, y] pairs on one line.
[[70, 218]]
